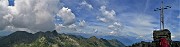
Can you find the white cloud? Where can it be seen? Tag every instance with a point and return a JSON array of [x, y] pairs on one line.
[[108, 14], [30, 14], [58, 27], [173, 37], [117, 24], [112, 32], [84, 3], [103, 19], [3, 12], [67, 16], [111, 26], [73, 28], [116, 27], [82, 23]]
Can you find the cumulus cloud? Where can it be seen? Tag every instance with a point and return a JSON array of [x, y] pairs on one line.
[[30, 14], [107, 15], [66, 29], [75, 27], [68, 19], [84, 3], [115, 26], [3, 12], [67, 16]]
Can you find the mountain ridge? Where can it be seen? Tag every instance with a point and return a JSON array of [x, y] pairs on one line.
[[54, 39]]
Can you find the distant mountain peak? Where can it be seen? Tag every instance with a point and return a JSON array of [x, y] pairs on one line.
[[20, 33], [55, 32]]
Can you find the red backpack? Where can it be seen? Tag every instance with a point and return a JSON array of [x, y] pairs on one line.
[[164, 42]]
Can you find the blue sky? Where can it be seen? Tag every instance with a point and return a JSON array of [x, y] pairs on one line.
[[120, 18], [136, 14]]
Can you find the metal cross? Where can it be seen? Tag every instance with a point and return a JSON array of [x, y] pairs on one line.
[[161, 9]]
